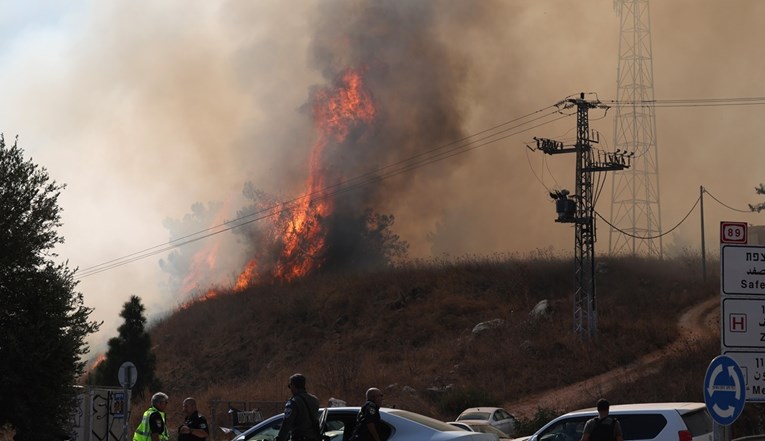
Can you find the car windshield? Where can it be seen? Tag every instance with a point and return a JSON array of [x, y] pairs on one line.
[[474, 416], [424, 420]]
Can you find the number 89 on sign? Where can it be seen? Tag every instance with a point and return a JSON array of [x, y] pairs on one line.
[[733, 232]]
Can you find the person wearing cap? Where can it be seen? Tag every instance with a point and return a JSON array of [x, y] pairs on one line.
[[603, 427], [301, 413], [153, 426], [368, 418]]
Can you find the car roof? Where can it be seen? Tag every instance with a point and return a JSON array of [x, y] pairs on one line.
[[481, 409], [616, 409]]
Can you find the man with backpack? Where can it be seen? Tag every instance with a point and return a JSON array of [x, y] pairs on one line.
[[602, 427]]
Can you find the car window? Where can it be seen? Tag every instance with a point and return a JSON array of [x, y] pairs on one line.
[[642, 426], [474, 416], [266, 433], [502, 414], [569, 429], [699, 422]]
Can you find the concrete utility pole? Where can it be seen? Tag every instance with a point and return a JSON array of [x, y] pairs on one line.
[[635, 193], [581, 209]]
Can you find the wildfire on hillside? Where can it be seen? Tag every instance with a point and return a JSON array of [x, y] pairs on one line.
[[295, 232]]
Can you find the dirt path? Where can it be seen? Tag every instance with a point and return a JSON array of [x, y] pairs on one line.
[[699, 320]]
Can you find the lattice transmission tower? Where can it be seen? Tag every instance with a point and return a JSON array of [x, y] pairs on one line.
[[635, 192]]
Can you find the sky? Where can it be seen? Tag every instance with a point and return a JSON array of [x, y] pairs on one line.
[[144, 109]]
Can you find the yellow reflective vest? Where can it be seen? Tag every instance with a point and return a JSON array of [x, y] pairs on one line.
[[143, 431]]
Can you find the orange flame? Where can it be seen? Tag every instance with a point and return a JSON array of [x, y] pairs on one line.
[[298, 231], [336, 112]]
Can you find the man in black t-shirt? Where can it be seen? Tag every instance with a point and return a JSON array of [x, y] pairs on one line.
[[194, 426]]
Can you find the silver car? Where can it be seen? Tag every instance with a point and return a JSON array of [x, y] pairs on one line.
[[397, 425], [495, 416]]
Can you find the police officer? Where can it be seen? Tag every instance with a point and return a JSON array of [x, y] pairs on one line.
[[154, 423], [194, 426], [301, 413], [368, 418]]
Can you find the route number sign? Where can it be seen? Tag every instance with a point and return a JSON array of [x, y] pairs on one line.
[[733, 232]]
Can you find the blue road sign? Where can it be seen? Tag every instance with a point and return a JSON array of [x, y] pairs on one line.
[[724, 390]]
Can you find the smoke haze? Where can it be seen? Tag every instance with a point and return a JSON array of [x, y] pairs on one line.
[[145, 109]]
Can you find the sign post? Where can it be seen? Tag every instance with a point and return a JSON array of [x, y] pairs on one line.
[[127, 376]]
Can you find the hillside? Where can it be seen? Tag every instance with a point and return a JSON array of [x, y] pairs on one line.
[[409, 331]]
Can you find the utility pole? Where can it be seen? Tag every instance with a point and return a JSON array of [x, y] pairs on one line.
[[581, 209]]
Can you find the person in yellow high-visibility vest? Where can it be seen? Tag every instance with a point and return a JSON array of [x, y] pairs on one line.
[[153, 425]]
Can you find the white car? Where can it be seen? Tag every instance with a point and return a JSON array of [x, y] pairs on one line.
[[645, 421], [397, 425], [495, 416]]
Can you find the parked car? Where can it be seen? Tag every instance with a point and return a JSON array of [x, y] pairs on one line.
[[397, 425], [480, 426], [646, 421], [495, 416]]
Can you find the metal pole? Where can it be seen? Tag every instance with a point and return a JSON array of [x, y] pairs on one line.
[[126, 403], [703, 247]]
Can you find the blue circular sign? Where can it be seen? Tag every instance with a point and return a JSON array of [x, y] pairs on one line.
[[724, 390]]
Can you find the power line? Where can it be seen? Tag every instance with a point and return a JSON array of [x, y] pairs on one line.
[[681, 221], [445, 151], [724, 204], [697, 102], [463, 145], [656, 236]]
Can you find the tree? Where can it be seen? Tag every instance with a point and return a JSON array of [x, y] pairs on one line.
[[761, 206], [133, 344], [43, 320]]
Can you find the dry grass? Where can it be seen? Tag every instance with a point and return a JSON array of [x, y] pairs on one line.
[[408, 330]]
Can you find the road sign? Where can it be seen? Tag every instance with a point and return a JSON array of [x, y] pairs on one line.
[[724, 390], [127, 374], [733, 232], [743, 269], [743, 323], [752, 365]]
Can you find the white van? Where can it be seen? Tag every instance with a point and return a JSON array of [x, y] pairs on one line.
[[645, 421]]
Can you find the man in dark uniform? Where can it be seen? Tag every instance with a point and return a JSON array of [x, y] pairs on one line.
[[301, 413], [368, 419], [194, 426]]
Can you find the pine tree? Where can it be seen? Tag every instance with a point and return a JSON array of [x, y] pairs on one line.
[[43, 320], [133, 344]]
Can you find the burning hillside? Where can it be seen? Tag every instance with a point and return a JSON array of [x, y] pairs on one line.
[[392, 90]]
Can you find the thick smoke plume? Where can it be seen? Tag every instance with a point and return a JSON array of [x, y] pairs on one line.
[[404, 89]]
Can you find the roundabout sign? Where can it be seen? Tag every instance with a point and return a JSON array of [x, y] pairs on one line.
[[724, 390]]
